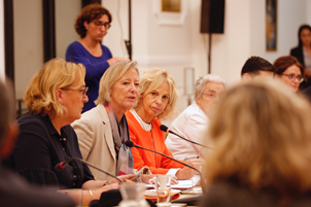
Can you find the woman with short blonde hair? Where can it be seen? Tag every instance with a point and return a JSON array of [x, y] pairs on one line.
[[103, 130], [157, 101], [261, 148]]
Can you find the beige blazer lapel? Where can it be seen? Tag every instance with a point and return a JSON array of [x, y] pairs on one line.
[[107, 131]]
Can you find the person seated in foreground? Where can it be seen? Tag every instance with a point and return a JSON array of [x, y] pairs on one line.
[[55, 98], [255, 67], [14, 190], [194, 120], [261, 153], [157, 100]]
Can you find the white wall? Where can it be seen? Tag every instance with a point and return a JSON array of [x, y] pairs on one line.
[[174, 46], [291, 14], [28, 42]]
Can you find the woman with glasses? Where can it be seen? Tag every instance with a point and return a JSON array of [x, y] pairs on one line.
[[290, 71], [55, 98], [92, 25]]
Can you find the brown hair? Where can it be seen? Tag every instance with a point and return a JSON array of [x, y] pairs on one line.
[[90, 13], [282, 63]]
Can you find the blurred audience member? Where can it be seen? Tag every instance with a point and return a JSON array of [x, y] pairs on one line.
[[261, 153], [257, 67], [157, 100], [194, 120], [92, 25], [289, 70], [303, 53], [15, 191]]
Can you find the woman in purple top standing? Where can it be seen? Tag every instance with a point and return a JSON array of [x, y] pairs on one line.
[[92, 25]]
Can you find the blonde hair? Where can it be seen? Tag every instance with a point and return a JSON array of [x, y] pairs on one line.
[[151, 80], [112, 74], [264, 139], [40, 97]]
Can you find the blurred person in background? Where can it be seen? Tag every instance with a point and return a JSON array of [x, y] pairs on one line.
[[303, 53], [92, 25], [255, 67], [289, 70], [194, 120]]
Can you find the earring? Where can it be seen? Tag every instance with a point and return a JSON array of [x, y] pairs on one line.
[[61, 102]]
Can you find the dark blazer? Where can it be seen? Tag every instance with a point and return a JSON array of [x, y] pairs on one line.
[[297, 53]]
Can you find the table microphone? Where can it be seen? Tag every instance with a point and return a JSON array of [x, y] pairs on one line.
[[60, 166], [131, 144], [166, 129]]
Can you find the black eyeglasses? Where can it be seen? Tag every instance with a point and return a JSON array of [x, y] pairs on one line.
[[83, 91], [293, 77], [99, 24]]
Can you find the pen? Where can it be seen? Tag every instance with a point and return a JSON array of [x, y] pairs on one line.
[[137, 176]]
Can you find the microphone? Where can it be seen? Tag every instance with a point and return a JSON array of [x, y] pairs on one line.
[[60, 166], [131, 144], [166, 129]]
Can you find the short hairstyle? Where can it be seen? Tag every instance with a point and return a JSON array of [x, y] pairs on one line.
[[112, 74], [203, 80], [264, 140], [283, 62], [40, 97], [89, 13], [152, 79], [302, 27], [7, 108], [255, 64]]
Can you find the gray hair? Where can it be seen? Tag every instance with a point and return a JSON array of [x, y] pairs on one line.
[[7, 108], [203, 80]]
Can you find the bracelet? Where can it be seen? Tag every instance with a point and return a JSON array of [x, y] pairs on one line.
[[91, 193], [113, 61], [106, 183]]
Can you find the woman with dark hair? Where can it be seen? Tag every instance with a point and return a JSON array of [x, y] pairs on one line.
[[303, 52], [289, 70], [92, 25]]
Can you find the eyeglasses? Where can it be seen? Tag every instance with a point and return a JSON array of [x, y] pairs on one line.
[[99, 24], [82, 91], [210, 95], [292, 77]]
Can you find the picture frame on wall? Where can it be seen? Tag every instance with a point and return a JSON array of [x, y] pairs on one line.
[[171, 5], [271, 25]]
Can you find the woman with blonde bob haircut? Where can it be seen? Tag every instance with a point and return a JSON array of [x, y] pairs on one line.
[[103, 130], [55, 98], [262, 148], [157, 100]]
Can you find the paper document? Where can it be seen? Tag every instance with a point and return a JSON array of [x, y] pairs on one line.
[[182, 184]]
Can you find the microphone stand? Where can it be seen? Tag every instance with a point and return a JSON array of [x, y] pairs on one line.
[[131, 144], [61, 165]]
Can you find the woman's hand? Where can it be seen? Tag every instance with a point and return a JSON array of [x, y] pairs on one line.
[[185, 173]]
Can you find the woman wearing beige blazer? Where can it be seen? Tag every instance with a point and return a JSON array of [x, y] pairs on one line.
[[102, 131]]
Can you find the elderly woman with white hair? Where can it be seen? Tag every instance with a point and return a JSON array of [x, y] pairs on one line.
[[193, 122]]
